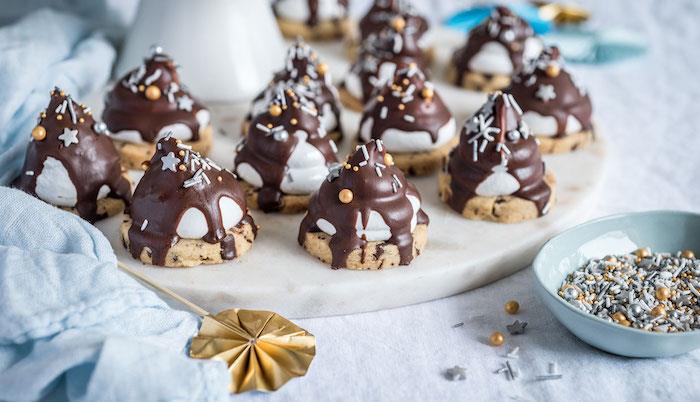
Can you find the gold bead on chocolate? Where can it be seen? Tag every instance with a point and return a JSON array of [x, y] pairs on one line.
[[142, 88], [219, 178], [380, 98], [152, 92], [39, 133], [59, 117], [355, 168], [348, 166], [293, 121], [345, 196], [619, 317], [145, 165], [427, 93], [388, 159], [663, 293], [496, 339], [322, 68], [398, 24], [552, 70], [402, 106], [181, 153], [82, 120], [658, 310], [688, 254], [275, 110], [182, 167], [512, 307]]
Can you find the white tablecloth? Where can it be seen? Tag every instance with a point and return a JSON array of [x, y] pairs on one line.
[[648, 110]]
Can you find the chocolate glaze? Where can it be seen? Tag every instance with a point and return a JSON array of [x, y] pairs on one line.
[[308, 75], [388, 46], [385, 194], [91, 162], [473, 160], [402, 104], [162, 197], [501, 26], [128, 108], [383, 11], [313, 18], [271, 141], [570, 98]]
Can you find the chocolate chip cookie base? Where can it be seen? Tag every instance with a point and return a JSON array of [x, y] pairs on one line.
[[133, 155], [502, 209], [189, 252], [476, 81], [324, 30], [375, 255], [289, 203], [567, 143]]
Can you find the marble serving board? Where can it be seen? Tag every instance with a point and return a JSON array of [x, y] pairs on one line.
[[277, 274]]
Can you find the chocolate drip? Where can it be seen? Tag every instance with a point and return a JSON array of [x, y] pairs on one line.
[[383, 12], [502, 26], [163, 195], [407, 103], [570, 99], [496, 136], [309, 76], [271, 140], [90, 160], [375, 185], [149, 98], [390, 45]]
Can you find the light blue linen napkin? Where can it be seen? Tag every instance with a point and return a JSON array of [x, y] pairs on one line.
[[72, 326]]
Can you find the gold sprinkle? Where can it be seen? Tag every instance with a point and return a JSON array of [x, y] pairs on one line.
[[402, 106], [219, 178], [355, 168], [182, 167], [141, 88], [275, 110], [269, 125], [406, 81], [39, 133], [59, 117], [82, 120], [380, 98], [345, 196], [347, 166], [153, 93], [293, 121], [181, 153]]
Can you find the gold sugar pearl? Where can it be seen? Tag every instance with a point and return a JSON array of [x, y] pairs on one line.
[[145, 165], [269, 125], [398, 24], [688, 254], [552, 70], [380, 98], [275, 110], [658, 310], [306, 79], [663, 293], [402, 106], [62, 93], [293, 121], [619, 317], [59, 117], [39, 133], [406, 81], [219, 178], [182, 167], [496, 339], [355, 168], [152, 92], [347, 166], [642, 252], [178, 141], [82, 120], [345, 196], [142, 88], [322, 68], [388, 159], [43, 115], [512, 307], [427, 93], [181, 153]]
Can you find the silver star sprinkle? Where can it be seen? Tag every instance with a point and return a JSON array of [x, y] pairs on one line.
[[185, 103], [517, 328], [546, 93], [455, 373], [69, 137], [170, 161]]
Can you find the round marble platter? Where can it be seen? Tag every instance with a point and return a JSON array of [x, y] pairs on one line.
[[278, 275]]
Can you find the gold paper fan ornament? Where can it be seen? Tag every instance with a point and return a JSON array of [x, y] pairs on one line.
[[262, 349]]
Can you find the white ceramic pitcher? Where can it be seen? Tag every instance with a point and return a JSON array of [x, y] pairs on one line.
[[227, 49]]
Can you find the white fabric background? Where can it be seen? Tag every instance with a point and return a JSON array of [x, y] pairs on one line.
[[648, 110]]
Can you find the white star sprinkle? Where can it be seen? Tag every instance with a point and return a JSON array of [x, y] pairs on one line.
[[69, 137], [170, 161], [546, 93], [185, 103]]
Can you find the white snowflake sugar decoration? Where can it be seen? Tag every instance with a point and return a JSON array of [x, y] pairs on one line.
[[546, 93]]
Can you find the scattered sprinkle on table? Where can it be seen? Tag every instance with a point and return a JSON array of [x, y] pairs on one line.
[[455, 373], [649, 291], [517, 328]]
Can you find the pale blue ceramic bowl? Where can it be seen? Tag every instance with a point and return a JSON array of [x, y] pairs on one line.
[[663, 231]]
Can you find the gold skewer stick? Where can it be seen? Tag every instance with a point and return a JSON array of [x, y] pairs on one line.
[[192, 306]]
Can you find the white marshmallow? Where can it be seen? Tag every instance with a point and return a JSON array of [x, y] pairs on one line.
[[192, 225], [54, 185], [103, 192], [498, 183], [376, 229], [492, 58], [547, 125], [396, 140], [231, 212], [249, 174], [306, 168], [298, 10]]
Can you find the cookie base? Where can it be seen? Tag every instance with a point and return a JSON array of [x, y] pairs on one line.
[[291, 203], [106, 207], [318, 245], [475, 81], [133, 155], [189, 252], [423, 163], [349, 101], [324, 30], [336, 136], [568, 143], [502, 209]]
